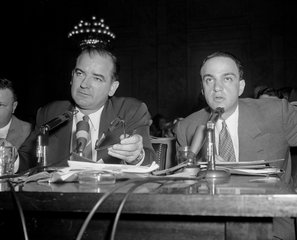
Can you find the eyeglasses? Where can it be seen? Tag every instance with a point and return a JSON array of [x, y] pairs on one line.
[[114, 124]]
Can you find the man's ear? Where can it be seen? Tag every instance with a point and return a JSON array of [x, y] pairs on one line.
[[72, 73], [113, 88], [202, 91], [14, 105], [241, 86]]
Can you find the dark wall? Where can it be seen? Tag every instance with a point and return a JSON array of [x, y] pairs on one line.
[[160, 45]]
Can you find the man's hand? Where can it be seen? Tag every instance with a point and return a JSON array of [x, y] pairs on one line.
[[128, 149]]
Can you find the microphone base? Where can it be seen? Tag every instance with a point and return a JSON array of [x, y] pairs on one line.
[[191, 170], [217, 174]]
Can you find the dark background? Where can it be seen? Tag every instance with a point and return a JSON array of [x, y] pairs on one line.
[[160, 45]]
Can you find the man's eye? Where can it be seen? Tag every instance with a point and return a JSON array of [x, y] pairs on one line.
[[228, 79], [98, 79], [78, 73], [208, 80]]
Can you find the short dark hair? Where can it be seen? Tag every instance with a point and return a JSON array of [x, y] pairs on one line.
[[104, 52], [269, 92], [7, 84], [227, 55]]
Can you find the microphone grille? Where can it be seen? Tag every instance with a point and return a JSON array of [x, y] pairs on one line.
[[82, 126]]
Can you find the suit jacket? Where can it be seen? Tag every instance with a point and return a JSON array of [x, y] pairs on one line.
[[266, 130], [133, 112], [18, 132]]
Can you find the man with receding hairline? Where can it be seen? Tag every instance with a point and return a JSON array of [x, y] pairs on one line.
[[260, 129], [93, 85]]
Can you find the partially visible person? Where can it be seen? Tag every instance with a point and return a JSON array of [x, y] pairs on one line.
[[257, 129], [267, 92], [157, 126], [12, 129], [259, 89], [93, 85], [289, 93], [161, 127]]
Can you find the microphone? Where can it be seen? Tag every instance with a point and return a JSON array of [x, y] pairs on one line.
[[57, 121], [82, 133], [197, 140], [216, 114]]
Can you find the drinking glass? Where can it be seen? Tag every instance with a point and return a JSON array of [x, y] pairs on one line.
[[7, 158], [183, 154]]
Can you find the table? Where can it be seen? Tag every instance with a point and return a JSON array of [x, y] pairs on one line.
[[241, 208]]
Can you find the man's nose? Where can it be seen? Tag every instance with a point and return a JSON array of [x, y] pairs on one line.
[[218, 86], [85, 82]]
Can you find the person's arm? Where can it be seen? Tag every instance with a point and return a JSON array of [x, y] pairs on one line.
[[137, 147], [27, 151]]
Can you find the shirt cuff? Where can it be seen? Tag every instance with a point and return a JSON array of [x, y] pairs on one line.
[[139, 160]]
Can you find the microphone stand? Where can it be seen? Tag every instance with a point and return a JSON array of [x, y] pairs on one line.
[[43, 137], [212, 173], [41, 150]]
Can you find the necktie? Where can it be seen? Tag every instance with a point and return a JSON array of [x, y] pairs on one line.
[[226, 149], [88, 150]]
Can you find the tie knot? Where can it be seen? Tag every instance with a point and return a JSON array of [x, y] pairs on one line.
[[86, 118], [224, 125]]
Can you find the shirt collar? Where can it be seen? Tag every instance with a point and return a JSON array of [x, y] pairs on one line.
[[4, 130], [94, 117], [232, 120]]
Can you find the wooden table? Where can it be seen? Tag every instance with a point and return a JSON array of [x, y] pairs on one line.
[[241, 208]]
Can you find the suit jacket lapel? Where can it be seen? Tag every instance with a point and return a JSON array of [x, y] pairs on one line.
[[249, 134], [108, 114], [15, 132]]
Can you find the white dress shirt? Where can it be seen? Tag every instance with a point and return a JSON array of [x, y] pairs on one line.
[[232, 126], [4, 130]]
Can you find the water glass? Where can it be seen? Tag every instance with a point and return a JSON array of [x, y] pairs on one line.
[[183, 154], [7, 159]]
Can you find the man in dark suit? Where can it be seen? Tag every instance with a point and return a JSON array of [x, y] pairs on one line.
[[12, 129], [94, 82], [260, 129]]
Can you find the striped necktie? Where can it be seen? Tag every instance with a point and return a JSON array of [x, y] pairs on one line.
[[226, 149]]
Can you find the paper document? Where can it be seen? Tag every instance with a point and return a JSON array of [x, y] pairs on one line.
[[248, 164], [76, 165], [69, 174], [245, 171], [260, 167]]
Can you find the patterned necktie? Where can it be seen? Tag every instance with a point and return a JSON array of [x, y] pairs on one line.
[[88, 150], [225, 144]]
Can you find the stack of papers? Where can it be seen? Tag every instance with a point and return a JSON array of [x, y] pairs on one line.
[[115, 168], [260, 167], [70, 174]]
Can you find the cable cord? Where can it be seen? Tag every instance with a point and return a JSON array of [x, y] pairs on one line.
[[107, 194], [97, 205], [20, 210], [132, 189], [120, 208]]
